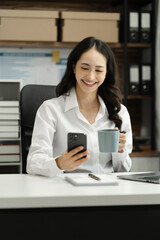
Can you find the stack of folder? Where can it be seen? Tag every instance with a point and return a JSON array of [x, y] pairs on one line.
[[9, 131], [139, 26], [139, 79]]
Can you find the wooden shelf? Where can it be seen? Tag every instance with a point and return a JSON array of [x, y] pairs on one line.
[[4, 43], [145, 152], [94, 5], [48, 44], [138, 97], [139, 45], [78, 5]]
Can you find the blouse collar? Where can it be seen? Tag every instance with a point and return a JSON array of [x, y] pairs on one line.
[[72, 102]]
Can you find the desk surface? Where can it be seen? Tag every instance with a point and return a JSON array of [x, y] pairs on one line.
[[27, 191]]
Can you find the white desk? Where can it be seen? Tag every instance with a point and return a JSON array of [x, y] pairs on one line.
[[42, 207], [27, 191]]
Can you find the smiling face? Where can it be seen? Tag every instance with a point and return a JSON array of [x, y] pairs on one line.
[[90, 71]]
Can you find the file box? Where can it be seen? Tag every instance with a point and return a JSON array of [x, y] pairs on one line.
[[78, 25], [28, 25]]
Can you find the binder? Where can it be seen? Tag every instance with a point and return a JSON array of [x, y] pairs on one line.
[[146, 79], [133, 27], [145, 26], [134, 79]]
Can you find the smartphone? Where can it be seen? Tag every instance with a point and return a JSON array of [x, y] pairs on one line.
[[76, 140]]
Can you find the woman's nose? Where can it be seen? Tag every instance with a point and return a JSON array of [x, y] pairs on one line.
[[91, 75]]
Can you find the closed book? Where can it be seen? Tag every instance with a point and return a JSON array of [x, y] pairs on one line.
[[9, 109], [9, 103], [9, 116], [9, 147], [9, 157], [83, 179], [9, 128], [9, 134], [9, 122]]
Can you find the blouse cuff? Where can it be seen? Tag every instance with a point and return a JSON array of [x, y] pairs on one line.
[[121, 161], [53, 169]]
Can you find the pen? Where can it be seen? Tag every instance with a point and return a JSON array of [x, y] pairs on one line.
[[94, 177]]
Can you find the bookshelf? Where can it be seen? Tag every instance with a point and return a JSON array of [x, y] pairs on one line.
[[10, 139], [124, 50]]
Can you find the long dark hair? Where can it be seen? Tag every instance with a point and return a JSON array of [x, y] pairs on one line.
[[108, 91]]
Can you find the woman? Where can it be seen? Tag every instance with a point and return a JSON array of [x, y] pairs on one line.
[[87, 100]]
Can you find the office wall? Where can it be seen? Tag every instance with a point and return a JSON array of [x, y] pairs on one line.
[[33, 65], [142, 164]]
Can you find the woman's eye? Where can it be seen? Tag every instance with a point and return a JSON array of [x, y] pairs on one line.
[[84, 68], [98, 70]]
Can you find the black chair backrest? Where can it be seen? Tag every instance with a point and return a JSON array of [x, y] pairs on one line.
[[31, 97]]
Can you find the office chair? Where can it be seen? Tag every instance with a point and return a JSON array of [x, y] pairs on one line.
[[31, 97]]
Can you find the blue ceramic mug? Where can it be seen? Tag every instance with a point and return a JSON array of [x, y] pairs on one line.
[[108, 140]]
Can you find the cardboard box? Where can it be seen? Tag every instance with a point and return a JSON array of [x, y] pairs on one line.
[[78, 25], [27, 25]]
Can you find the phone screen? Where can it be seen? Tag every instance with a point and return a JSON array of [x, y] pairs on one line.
[[76, 140]]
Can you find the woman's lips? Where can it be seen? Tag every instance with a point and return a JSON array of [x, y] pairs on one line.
[[89, 84]]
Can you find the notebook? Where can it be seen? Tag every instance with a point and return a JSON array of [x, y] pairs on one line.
[[83, 179], [149, 177]]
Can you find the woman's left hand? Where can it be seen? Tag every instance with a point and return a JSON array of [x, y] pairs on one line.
[[122, 141]]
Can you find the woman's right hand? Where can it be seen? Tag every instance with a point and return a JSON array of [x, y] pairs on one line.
[[69, 161]]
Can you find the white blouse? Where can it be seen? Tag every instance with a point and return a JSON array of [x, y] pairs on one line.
[[58, 116]]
